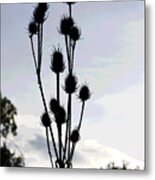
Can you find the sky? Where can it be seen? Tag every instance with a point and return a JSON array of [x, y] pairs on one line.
[[109, 57]]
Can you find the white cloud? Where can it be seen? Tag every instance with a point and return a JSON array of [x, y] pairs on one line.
[[121, 125], [93, 154], [89, 153]]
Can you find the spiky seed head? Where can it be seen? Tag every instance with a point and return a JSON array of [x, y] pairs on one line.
[[39, 12], [60, 115], [32, 28], [84, 93], [70, 83], [54, 105], [43, 7], [45, 119], [75, 33], [70, 3], [65, 25], [75, 136], [57, 62]]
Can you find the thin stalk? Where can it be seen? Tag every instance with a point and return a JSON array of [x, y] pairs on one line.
[[69, 123], [41, 42], [58, 87], [59, 127], [70, 10], [72, 151], [67, 126], [54, 145], [39, 60], [73, 52], [59, 137], [67, 51], [33, 52], [82, 111], [48, 147], [70, 15], [42, 93], [79, 126]]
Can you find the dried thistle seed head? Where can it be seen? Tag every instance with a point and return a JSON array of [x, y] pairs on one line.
[[39, 12], [54, 105], [75, 136], [43, 7], [57, 62], [75, 33], [70, 84], [60, 115], [32, 28], [84, 93], [45, 119], [70, 3], [65, 25]]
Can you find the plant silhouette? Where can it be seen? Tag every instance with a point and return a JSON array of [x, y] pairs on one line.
[[64, 144], [8, 126]]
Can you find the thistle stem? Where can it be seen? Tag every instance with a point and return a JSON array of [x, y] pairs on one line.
[[60, 145], [42, 93], [39, 59], [33, 53], [41, 43], [69, 122], [79, 126], [58, 87], [72, 151], [82, 112], [67, 126], [53, 140], [48, 147], [67, 51], [73, 51]]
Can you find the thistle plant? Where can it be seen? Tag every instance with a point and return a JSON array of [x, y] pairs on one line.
[[63, 145]]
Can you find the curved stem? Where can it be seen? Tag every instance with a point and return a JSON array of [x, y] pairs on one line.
[[48, 147], [33, 53], [42, 93], [82, 111], [39, 60]]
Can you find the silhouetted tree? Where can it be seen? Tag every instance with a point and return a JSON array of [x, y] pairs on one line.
[[8, 126], [64, 151]]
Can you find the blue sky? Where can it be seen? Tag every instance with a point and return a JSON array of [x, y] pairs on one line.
[[109, 56]]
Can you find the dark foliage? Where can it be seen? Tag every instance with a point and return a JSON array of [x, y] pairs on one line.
[[8, 126], [7, 116], [10, 159]]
